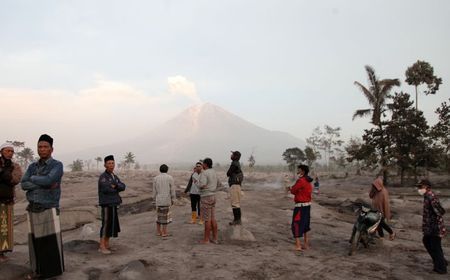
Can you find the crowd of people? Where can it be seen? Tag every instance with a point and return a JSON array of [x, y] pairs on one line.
[[42, 184]]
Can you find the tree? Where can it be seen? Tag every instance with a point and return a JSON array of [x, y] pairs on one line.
[[311, 156], [293, 157], [408, 134], [377, 95], [330, 141], [129, 159], [77, 165], [419, 73], [314, 141], [98, 160], [440, 133], [25, 157], [251, 161]]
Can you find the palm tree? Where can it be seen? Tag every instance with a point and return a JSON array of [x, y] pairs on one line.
[[129, 159], [98, 160], [26, 156], [376, 94]]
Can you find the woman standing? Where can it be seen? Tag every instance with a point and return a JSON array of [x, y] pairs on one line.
[[380, 201]]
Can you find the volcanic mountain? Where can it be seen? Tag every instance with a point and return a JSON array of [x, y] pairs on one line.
[[204, 131]]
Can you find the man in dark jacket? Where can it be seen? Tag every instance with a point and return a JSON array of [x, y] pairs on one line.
[[109, 186], [235, 178]]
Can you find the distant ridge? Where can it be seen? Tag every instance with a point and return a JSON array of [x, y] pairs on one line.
[[201, 131]]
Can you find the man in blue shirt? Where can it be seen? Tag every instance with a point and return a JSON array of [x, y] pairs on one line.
[[42, 183]]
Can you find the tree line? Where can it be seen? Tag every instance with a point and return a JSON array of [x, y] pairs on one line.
[[399, 139]]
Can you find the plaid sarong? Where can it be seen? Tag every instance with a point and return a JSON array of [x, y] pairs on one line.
[[208, 206], [163, 215], [45, 243], [6, 228]]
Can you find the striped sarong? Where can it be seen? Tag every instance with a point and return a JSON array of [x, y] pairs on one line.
[[110, 222], [6, 227], [45, 243], [163, 215], [301, 218]]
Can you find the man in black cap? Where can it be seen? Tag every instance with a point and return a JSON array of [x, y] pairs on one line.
[[42, 183], [433, 226], [235, 178], [109, 186]]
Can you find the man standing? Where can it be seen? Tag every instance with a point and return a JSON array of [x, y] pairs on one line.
[[208, 186], [10, 174], [235, 178], [42, 183], [164, 196], [109, 186], [433, 226]]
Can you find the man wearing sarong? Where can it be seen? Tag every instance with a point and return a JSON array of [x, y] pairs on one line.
[[42, 183], [164, 197], [10, 174], [109, 186]]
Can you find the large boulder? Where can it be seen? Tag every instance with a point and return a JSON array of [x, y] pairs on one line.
[[134, 270], [239, 233]]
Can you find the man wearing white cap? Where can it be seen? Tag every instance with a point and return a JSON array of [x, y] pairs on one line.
[[10, 174]]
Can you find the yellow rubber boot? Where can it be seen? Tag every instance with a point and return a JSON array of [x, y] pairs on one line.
[[194, 218]]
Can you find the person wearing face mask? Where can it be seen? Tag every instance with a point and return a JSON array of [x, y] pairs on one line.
[[433, 226], [302, 212]]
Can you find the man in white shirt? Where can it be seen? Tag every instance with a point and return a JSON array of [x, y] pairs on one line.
[[164, 196]]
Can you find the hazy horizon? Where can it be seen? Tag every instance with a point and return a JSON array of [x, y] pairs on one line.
[[95, 73]]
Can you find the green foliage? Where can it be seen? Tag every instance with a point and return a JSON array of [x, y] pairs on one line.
[[311, 155], [77, 165], [408, 134], [293, 157], [376, 94], [422, 72], [440, 134], [129, 159]]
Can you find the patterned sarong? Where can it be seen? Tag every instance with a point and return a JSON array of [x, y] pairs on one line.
[[6, 227], [45, 243], [301, 221], [208, 206], [110, 222], [163, 215]]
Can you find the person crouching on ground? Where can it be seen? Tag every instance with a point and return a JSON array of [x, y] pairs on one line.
[[302, 212], [164, 197], [109, 187], [208, 186], [433, 226], [235, 178]]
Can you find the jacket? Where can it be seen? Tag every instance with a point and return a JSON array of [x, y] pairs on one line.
[[302, 190], [235, 174], [109, 186], [380, 198], [10, 175], [42, 182]]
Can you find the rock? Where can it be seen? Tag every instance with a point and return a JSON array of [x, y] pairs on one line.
[[89, 231], [134, 270], [239, 233], [81, 246]]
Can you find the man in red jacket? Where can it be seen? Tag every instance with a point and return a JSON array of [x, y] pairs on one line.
[[302, 212]]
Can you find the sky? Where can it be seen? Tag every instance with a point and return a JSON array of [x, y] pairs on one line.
[[93, 72]]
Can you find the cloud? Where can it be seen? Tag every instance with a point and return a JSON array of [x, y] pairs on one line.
[[180, 85]]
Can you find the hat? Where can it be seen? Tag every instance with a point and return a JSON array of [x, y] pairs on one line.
[[236, 154], [6, 145], [46, 138], [423, 182], [107, 158]]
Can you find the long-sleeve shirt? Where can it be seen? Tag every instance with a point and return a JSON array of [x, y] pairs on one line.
[[195, 187], [433, 222], [234, 173], [109, 187], [302, 190], [163, 190], [208, 182], [42, 182]]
